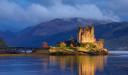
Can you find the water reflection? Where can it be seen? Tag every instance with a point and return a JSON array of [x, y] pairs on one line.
[[89, 65], [80, 65], [56, 65]]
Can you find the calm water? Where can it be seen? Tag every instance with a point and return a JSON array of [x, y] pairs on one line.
[[116, 64]]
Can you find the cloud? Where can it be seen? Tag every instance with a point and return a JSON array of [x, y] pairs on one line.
[[35, 13], [119, 6]]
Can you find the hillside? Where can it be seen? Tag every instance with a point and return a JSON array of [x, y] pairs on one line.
[[33, 36], [114, 33]]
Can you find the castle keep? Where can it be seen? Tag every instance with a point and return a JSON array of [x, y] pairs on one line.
[[86, 35]]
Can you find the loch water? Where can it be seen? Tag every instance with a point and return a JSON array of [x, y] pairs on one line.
[[114, 64]]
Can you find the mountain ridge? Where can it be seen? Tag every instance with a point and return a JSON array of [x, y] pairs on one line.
[[61, 29]]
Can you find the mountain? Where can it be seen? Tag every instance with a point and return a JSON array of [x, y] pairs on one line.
[[35, 35], [114, 33], [56, 26]]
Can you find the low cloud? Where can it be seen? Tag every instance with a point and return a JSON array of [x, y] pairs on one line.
[[35, 13], [119, 7]]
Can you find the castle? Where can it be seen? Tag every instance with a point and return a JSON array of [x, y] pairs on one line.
[[86, 35], [86, 44]]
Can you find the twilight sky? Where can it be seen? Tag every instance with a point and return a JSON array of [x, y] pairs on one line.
[[22, 13]]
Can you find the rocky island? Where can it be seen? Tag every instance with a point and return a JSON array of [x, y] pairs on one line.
[[86, 44]]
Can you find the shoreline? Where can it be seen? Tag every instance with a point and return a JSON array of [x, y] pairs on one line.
[[64, 51], [53, 54], [79, 53]]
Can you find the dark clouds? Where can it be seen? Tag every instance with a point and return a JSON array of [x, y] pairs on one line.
[[30, 12]]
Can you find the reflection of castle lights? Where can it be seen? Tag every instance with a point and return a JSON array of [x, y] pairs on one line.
[[86, 65]]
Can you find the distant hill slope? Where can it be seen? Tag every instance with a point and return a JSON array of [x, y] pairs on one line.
[[33, 36], [56, 26], [114, 33]]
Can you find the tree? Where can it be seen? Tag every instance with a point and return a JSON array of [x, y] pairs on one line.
[[62, 44], [2, 43]]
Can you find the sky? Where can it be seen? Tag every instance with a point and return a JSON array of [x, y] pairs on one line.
[[23, 13]]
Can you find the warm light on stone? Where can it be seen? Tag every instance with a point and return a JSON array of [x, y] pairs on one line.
[[86, 35]]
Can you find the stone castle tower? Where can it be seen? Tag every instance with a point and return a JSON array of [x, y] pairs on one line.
[[86, 34]]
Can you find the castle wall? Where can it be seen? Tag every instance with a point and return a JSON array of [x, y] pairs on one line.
[[100, 44], [86, 35]]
